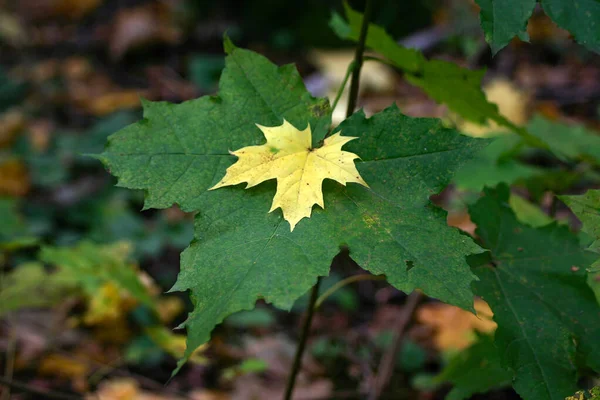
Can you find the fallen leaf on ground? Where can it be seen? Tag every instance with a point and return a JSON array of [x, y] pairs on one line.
[[68, 368], [14, 179], [454, 327], [125, 389], [512, 103]]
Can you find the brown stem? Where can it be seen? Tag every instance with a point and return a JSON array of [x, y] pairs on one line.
[[358, 58], [388, 360], [303, 338]]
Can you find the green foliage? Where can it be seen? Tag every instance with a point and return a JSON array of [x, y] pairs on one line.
[[502, 20], [11, 91], [573, 142], [475, 370], [95, 265], [491, 166], [175, 164], [240, 252], [527, 212], [587, 208], [14, 233], [535, 282], [17, 287], [445, 82]]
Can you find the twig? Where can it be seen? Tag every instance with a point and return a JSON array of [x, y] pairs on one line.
[[303, 338], [343, 85], [48, 394], [345, 282], [358, 58], [388, 360]]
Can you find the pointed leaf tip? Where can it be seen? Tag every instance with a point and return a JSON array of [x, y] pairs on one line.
[[228, 45]]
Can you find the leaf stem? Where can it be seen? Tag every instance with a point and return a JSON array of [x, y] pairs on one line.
[[358, 58], [303, 338], [388, 360], [345, 282], [343, 85]]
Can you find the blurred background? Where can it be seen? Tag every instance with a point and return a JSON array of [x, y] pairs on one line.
[[83, 308]]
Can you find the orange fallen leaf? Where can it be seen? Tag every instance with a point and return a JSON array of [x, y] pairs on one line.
[[14, 178], [454, 327], [111, 102]]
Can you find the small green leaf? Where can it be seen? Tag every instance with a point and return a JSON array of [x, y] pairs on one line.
[[587, 208], [459, 88], [567, 141], [502, 20], [30, 285], [477, 369], [528, 213], [536, 287], [490, 167], [13, 231], [409, 60]]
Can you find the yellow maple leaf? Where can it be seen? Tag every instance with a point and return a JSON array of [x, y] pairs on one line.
[[299, 169]]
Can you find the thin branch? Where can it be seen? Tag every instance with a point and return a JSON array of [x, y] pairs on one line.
[[388, 360], [358, 58], [345, 282], [303, 338], [343, 86]]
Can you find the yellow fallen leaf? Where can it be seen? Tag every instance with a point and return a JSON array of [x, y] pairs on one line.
[[512, 102], [109, 305], [174, 344], [66, 368], [11, 123], [454, 327], [298, 168]]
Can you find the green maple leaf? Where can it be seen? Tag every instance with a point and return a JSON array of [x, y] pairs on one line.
[[240, 251], [534, 279], [502, 20]]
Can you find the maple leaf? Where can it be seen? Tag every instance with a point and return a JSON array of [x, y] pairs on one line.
[[298, 168]]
